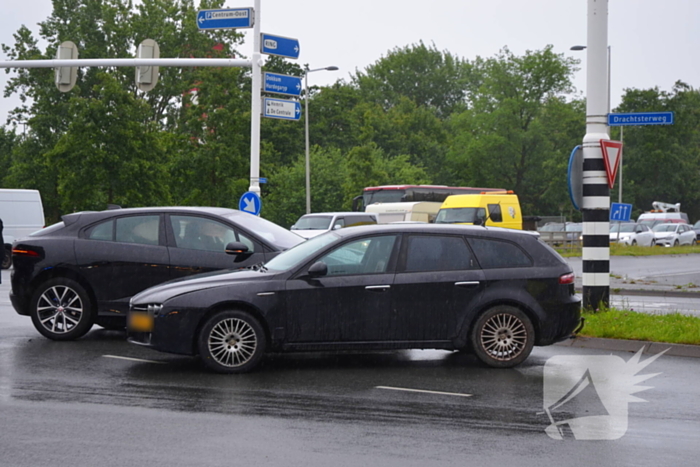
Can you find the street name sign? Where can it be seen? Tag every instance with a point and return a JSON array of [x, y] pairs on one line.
[[612, 153], [282, 84], [620, 212], [250, 202], [278, 45], [641, 118], [226, 19], [281, 108]]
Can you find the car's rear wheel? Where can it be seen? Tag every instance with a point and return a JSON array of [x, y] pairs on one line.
[[231, 341], [503, 336], [61, 309], [7, 260]]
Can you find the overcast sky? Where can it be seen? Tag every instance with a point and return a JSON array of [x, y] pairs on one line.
[[654, 43]]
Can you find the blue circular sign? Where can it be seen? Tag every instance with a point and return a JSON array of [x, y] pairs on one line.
[[251, 203]]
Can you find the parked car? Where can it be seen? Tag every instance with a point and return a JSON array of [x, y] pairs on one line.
[[83, 270], [310, 225], [631, 233], [494, 291], [672, 234], [696, 228]]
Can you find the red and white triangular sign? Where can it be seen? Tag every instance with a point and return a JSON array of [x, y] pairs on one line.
[[612, 153]]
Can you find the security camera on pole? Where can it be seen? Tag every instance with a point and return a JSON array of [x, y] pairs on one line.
[[596, 191]]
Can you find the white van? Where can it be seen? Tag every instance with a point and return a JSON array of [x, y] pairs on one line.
[[415, 211], [21, 213], [310, 225]]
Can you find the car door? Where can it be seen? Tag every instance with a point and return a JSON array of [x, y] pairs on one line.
[[197, 244], [644, 234], [687, 234], [436, 283], [352, 302], [121, 257]]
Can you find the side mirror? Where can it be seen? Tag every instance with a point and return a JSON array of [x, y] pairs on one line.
[[318, 269], [337, 226], [236, 248], [293, 227]]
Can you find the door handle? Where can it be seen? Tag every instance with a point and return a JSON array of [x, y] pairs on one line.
[[378, 288], [467, 284]]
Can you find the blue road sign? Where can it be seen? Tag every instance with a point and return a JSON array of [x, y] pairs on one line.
[[282, 84], [226, 19], [281, 108], [574, 177], [620, 212], [251, 203], [277, 45], [641, 118]]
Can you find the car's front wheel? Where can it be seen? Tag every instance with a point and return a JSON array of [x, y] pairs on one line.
[[61, 309], [634, 242], [231, 341], [503, 336], [676, 243]]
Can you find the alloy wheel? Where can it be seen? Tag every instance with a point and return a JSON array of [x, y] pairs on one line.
[[503, 336], [59, 309], [232, 342]]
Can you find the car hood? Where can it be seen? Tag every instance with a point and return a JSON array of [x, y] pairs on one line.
[[664, 234], [167, 290]]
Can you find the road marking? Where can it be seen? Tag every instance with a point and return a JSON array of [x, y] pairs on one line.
[[425, 391], [134, 359]]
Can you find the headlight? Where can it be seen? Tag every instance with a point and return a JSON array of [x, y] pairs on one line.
[[154, 309]]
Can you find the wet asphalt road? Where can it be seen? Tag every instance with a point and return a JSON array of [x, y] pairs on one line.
[[84, 403]]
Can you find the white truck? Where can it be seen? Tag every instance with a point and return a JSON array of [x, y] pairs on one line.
[[21, 213], [417, 211]]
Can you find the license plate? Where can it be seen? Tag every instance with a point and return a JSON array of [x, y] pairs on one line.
[[140, 322]]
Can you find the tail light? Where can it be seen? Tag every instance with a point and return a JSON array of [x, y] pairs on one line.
[[25, 252], [567, 279]]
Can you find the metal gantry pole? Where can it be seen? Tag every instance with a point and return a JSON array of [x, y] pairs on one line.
[[306, 139], [596, 193], [255, 105]]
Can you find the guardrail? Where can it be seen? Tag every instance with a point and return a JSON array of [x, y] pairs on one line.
[[561, 239]]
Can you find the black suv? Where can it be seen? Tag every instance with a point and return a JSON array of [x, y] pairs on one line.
[[83, 270]]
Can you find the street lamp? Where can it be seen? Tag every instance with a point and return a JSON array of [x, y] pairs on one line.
[[306, 131], [583, 47]]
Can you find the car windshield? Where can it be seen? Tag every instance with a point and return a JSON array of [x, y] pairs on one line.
[[294, 256], [267, 230], [574, 227], [665, 228], [697, 225], [313, 223], [459, 215], [622, 227]]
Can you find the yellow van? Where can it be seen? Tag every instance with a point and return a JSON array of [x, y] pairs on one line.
[[496, 209]]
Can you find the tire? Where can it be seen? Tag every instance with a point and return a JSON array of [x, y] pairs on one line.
[[7, 260], [61, 309], [634, 242], [231, 341], [653, 242], [676, 243], [502, 337]]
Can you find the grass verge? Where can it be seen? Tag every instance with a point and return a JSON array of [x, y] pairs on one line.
[[622, 250], [673, 328]]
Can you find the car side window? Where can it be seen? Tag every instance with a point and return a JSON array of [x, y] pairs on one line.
[[137, 229], [199, 233], [493, 254], [437, 253], [495, 213], [366, 256], [103, 231]]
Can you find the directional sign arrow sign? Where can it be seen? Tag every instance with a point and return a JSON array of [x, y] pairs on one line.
[[282, 84], [612, 152], [281, 108], [281, 46], [226, 19]]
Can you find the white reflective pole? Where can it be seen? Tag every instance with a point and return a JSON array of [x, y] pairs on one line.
[[596, 193], [255, 105]]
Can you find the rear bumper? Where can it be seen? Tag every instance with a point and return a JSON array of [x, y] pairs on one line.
[[19, 305], [560, 324]]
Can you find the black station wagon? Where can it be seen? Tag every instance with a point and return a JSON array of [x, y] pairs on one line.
[[492, 291], [83, 270]]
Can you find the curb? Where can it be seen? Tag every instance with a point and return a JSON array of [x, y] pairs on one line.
[[621, 345], [650, 292]]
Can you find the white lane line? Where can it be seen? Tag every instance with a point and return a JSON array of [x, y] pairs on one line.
[[134, 359], [425, 391]]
